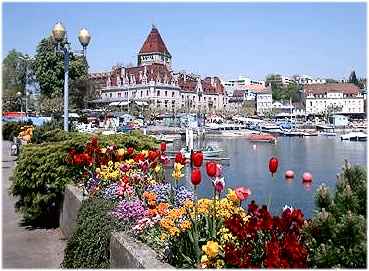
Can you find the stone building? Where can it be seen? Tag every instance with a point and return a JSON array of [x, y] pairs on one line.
[[153, 83]]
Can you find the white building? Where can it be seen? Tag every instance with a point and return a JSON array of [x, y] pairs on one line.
[[343, 98], [242, 83], [153, 83], [264, 102], [308, 80]]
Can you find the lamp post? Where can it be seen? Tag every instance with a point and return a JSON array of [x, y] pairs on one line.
[[19, 99], [61, 41]]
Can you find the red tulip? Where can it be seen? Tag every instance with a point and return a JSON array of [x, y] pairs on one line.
[[273, 165], [180, 158], [211, 169], [196, 176], [130, 150], [163, 146], [243, 193], [197, 158], [152, 155]]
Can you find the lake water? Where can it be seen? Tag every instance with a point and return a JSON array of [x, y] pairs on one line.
[[322, 156]]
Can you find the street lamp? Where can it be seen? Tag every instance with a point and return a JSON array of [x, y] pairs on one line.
[[19, 99], [61, 41]]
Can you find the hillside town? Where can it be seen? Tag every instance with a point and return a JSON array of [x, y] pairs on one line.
[[154, 84]]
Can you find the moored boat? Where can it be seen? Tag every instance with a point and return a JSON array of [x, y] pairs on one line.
[[262, 138], [355, 136]]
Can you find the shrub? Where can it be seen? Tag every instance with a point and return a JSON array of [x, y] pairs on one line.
[[336, 235], [40, 177], [89, 244], [12, 128]]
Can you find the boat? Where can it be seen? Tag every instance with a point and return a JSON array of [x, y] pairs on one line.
[[325, 133], [261, 138], [326, 130], [307, 133], [208, 151], [355, 136], [164, 138], [292, 132]]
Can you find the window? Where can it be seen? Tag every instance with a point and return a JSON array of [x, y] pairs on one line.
[[141, 93], [111, 95], [147, 92], [166, 93], [158, 93], [119, 94], [172, 93]]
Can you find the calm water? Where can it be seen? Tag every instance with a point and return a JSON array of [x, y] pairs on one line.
[[322, 156]]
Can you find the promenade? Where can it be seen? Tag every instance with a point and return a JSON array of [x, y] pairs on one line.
[[24, 247]]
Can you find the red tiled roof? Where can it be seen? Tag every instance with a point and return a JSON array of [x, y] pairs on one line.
[[154, 43], [347, 88]]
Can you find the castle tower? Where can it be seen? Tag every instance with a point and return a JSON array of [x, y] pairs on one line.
[[154, 50]]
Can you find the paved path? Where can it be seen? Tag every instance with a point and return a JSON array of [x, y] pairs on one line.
[[23, 248]]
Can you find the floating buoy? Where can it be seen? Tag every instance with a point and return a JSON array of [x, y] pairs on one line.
[[307, 177], [289, 174]]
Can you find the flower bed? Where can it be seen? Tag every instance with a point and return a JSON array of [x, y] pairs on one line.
[[224, 231]]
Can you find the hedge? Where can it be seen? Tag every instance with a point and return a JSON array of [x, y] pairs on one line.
[[89, 244]]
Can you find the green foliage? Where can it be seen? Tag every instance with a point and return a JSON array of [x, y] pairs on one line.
[[336, 235], [12, 128], [49, 68], [89, 244], [14, 73], [40, 176], [286, 93]]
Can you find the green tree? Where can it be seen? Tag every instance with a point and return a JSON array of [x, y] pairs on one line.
[[336, 235], [15, 67], [353, 79], [49, 69]]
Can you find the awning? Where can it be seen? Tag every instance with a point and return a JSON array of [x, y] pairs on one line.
[[114, 103], [123, 103]]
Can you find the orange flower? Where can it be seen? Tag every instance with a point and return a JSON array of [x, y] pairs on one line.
[[150, 197], [162, 208]]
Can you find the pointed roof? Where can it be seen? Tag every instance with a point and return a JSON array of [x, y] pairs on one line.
[[154, 43]]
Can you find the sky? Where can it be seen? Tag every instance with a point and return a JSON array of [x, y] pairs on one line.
[[216, 39]]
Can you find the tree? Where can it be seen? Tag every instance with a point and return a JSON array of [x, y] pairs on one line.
[[336, 234], [15, 68], [353, 79], [49, 69]]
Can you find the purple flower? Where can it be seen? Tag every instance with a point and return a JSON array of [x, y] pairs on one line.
[[129, 210]]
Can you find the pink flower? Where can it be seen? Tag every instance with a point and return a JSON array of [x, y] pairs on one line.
[[219, 184], [243, 193], [219, 170]]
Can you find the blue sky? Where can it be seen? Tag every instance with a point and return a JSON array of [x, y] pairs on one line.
[[228, 40]]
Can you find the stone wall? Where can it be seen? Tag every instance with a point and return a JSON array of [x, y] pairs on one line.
[[125, 252], [72, 202]]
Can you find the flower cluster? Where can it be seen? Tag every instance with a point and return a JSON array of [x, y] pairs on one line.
[[129, 210], [211, 233]]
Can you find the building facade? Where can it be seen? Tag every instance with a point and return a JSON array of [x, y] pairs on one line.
[[308, 80], [264, 102], [342, 98], [153, 83]]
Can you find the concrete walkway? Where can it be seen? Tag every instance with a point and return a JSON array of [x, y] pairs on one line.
[[24, 248]]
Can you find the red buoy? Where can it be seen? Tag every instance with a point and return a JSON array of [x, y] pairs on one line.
[[273, 165], [289, 174], [307, 177]]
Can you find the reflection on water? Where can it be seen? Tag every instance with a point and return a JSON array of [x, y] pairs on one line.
[[322, 156]]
